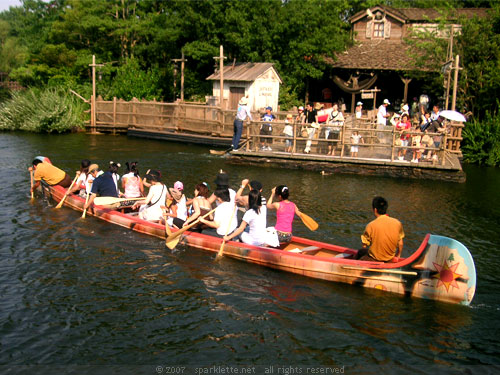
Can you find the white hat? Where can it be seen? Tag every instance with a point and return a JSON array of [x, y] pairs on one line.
[[359, 103], [243, 100], [386, 101], [406, 108]]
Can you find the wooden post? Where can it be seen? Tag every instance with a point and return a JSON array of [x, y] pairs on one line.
[[392, 146], [93, 120], [353, 99], [182, 60], [294, 137], [406, 82], [221, 92], [455, 83], [342, 140], [248, 137], [448, 82], [114, 112]]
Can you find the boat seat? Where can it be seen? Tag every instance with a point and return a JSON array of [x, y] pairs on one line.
[[305, 249]]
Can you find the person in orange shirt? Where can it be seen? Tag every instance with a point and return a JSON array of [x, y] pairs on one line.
[[50, 174], [383, 237]]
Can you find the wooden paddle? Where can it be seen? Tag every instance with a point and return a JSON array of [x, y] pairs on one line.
[[31, 178], [217, 152], [106, 201], [308, 221], [221, 250], [59, 205], [85, 210], [173, 239]]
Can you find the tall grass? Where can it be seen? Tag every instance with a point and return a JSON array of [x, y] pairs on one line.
[[481, 143], [42, 111]]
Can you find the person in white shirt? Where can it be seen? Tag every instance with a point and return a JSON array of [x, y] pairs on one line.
[[359, 109], [435, 113], [255, 218], [222, 182], [225, 221], [242, 114], [382, 115]]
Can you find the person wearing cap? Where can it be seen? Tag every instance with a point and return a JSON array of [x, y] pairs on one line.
[[50, 174], [382, 114], [104, 185], [336, 120], [242, 114], [151, 208], [266, 129], [288, 132], [359, 109], [94, 172], [383, 237], [301, 117], [177, 194], [222, 182]]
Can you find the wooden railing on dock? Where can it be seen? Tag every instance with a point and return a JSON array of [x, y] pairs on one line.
[[118, 116]]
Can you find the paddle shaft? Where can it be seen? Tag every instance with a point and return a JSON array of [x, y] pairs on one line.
[[173, 239], [221, 250], [85, 210], [59, 205], [31, 180], [104, 201]]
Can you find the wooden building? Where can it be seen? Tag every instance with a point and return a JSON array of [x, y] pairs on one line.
[[260, 82], [380, 55]]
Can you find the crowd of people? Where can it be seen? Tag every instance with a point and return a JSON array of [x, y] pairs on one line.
[[313, 121], [382, 239]]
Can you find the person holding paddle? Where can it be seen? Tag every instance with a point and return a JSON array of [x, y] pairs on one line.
[[50, 174], [224, 221], [285, 212], [79, 185], [200, 205], [104, 185], [151, 208]]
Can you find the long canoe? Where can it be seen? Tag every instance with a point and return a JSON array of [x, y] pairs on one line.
[[440, 269]]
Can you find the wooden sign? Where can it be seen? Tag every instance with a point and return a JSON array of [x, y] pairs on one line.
[[367, 95]]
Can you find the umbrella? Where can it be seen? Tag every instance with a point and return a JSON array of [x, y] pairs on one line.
[[453, 116]]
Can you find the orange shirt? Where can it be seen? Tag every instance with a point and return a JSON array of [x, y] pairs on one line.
[[50, 174], [383, 235]]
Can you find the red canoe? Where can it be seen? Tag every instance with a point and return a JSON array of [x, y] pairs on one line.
[[440, 269]]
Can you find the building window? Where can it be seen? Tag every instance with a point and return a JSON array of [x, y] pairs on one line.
[[378, 30]]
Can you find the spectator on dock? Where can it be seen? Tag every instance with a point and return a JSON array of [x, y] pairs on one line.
[[423, 101], [383, 237], [416, 140], [288, 132], [436, 126], [403, 127], [266, 129], [310, 125], [382, 114], [356, 139], [301, 116], [359, 109], [336, 120], [242, 114], [425, 121], [435, 112]]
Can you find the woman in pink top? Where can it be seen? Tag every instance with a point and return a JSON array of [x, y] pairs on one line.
[[132, 183], [285, 212]]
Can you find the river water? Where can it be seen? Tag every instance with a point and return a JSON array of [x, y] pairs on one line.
[[84, 292]]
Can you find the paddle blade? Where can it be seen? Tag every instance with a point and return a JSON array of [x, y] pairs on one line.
[[173, 242], [221, 251], [309, 222]]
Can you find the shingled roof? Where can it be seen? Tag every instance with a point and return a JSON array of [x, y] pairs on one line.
[[244, 72], [410, 15], [376, 55]]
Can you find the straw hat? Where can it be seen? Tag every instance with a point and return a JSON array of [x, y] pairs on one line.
[[318, 106], [243, 101]]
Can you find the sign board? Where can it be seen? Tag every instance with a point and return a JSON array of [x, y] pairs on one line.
[[367, 95]]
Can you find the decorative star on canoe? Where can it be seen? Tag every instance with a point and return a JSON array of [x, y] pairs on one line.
[[446, 275]]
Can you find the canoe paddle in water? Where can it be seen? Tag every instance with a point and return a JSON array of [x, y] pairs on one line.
[[85, 210], [221, 250], [308, 221], [59, 205], [31, 180], [173, 239]]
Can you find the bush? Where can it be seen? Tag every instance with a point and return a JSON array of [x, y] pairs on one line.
[[481, 144], [49, 110]]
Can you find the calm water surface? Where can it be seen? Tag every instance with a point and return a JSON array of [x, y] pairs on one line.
[[85, 292]]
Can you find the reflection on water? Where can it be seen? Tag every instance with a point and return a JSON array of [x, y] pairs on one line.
[[79, 291]]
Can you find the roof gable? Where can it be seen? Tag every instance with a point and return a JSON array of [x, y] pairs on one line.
[[245, 72]]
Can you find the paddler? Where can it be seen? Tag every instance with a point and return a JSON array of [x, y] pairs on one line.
[[383, 237], [104, 185], [49, 173]]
